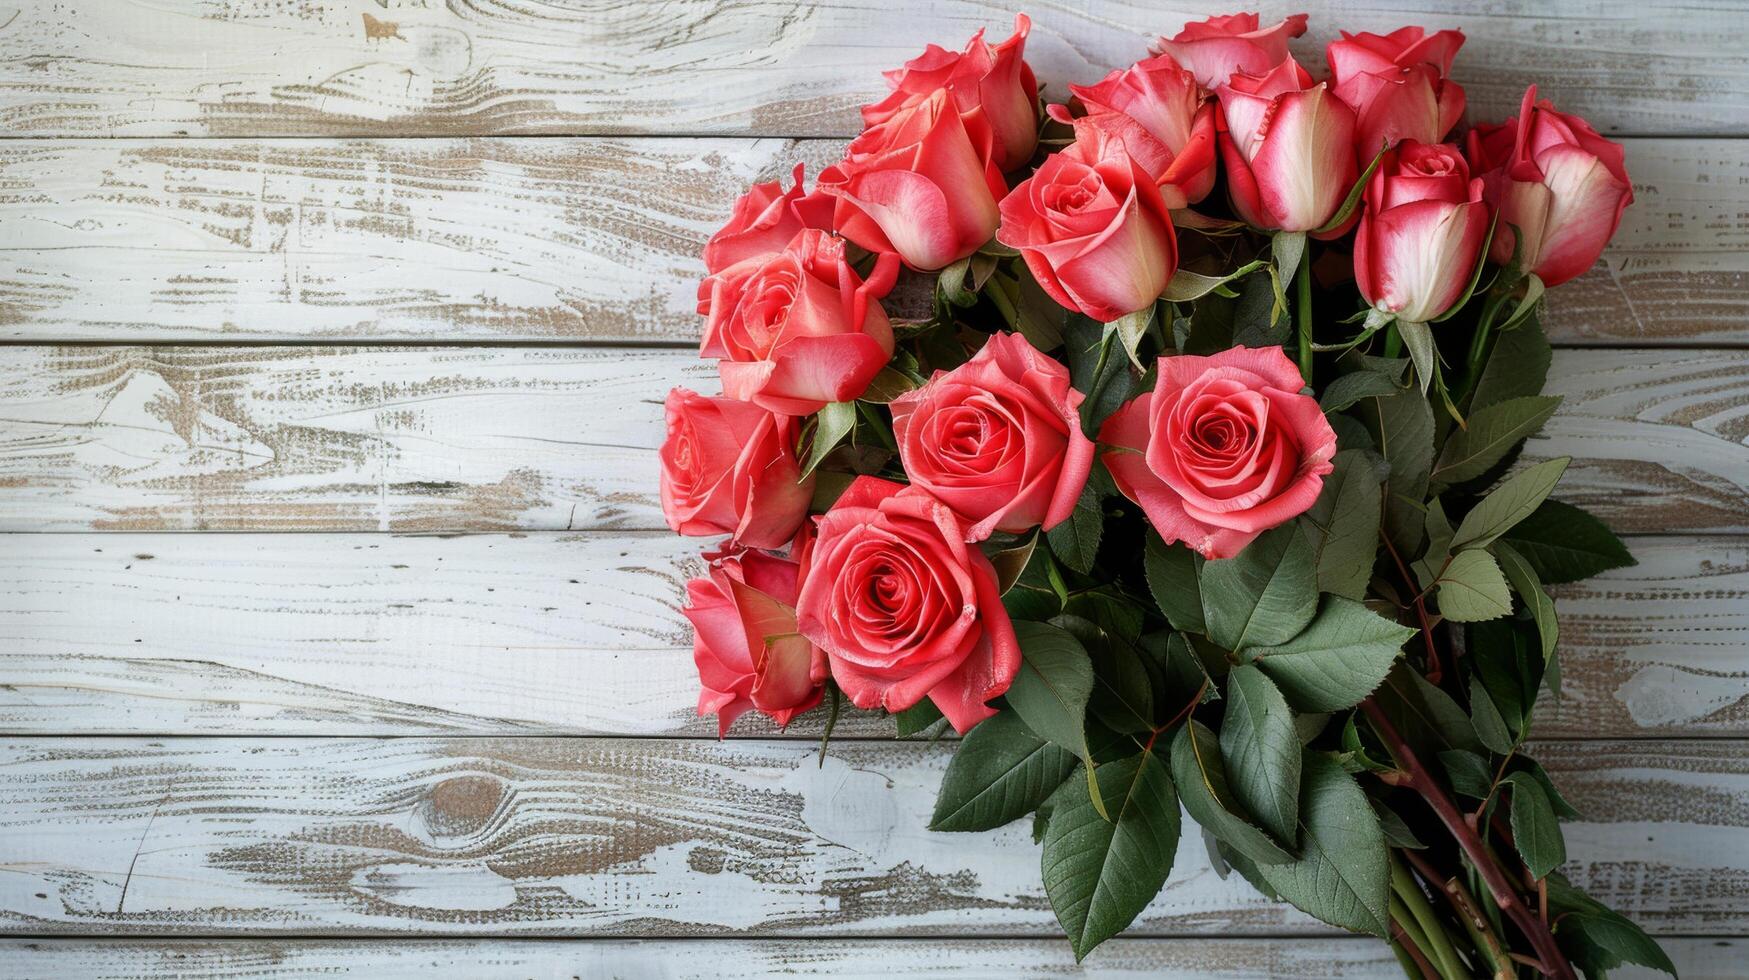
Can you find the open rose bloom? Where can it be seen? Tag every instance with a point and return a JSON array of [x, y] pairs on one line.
[[1167, 452]]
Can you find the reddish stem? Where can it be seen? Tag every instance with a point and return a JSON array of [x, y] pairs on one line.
[[1553, 962], [1434, 673]]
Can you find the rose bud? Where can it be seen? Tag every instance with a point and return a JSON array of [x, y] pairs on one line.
[[1397, 85], [1214, 49], [798, 328], [1288, 147], [921, 184], [765, 219], [730, 468], [1093, 228], [1159, 113], [998, 439], [745, 643], [903, 607], [1422, 232], [1224, 448], [990, 83], [1560, 188]]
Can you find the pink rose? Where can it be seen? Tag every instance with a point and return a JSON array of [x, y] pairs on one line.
[[1093, 228], [1288, 147], [766, 219], [991, 85], [1560, 188], [730, 468], [903, 608], [1214, 49], [745, 643], [922, 184], [1397, 85], [1422, 232], [798, 328], [998, 439], [1159, 113], [1224, 448]]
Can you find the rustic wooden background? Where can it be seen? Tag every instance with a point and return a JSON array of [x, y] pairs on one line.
[[382, 297]]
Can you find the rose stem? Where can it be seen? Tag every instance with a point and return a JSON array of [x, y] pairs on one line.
[[1479, 344], [1409, 935], [1554, 963], [1411, 969], [1303, 282], [1480, 934], [1411, 896]]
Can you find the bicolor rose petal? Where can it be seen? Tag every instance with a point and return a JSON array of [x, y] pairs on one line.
[[1397, 85], [1162, 117], [1422, 232], [1287, 146], [991, 85], [1215, 48]]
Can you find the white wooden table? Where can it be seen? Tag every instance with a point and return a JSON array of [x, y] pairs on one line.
[[338, 631]]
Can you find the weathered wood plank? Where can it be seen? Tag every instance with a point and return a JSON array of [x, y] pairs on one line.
[[732, 959], [580, 634], [267, 438], [241, 67], [590, 240], [659, 838]]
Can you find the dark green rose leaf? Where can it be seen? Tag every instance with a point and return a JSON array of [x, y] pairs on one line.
[[917, 718], [1349, 388], [1076, 541], [1425, 715], [1100, 873], [1566, 544], [1492, 433], [1263, 596], [1000, 773], [1172, 577], [1597, 938], [1472, 588], [1518, 366], [831, 424], [1512, 501], [1524, 581], [1051, 688], [1402, 428], [1343, 874], [1261, 750], [1123, 691], [1201, 776], [1491, 726], [1343, 524], [1535, 831], [1099, 369], [1468, 772], [1337, 660]]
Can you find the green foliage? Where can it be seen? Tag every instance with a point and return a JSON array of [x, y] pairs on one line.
[[1100, 873], [1511, 502], [1565, 544], [1343, 874], [1535, 831], [1343, 524], [1201, 776], [1001, 772], [1075, 542], [1596, 938], [1263, 596], [1402, 430], [1051, 688], [1517, 368], [1492, 433], [1339, 658], [831, 424], [1472, 588], [1123, 692], [1099, 370], [1261, 751], [918, 718], [1172, 572]]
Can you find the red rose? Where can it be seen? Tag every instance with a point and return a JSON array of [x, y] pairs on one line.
[[730, 468], [991, 85], [1159, 113], [1560, 188], [903, 608], [798, 328], [745, 643], [1214, 49], [998, 439], [1422, 232], [766, 219], [921, 184], [1288, 147], [1224, 448], [1093, 228], [1396, 83]]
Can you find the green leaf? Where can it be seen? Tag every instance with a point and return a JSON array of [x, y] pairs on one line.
[[917, 718], [1533, 292], [1034, 595], [952, 285], [1185, 286], [1099, 369], [1402, 425], [1518, 366], [1263, 596], [1123, 694], [1512, 501], [1099, 873], [1172, 577], [1130, 329], [1352, 199], [1010, 561], [1425, 715], [1076, 541], [1353, 386], [1000, 773], [1535, 832], [1261, 749], [1533, 769], [1343, 874], [1201, 776], [1397, 832], [888, 385], [1343, 524], [1468, 773], [1566, 544], [1597, 938], [1472, 589], [1492, 433], [1336, 661], [831, 424], [1491, 726], [1524, 581], [1050, 690], [1418, 338]]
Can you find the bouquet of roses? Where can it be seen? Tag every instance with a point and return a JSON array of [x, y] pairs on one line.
[[1164, 443]]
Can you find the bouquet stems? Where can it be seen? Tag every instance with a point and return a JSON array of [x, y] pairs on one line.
[[1303, 315]]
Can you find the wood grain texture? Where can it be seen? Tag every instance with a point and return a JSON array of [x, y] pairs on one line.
[[591, 240], [395, 67], [213, 836], [732, 959], [471, 439], [581, 634]]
